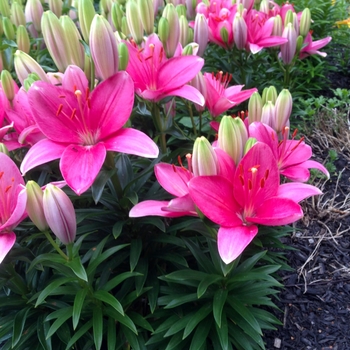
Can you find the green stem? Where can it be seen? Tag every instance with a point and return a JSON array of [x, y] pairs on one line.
[[110, 164], [70, 251], [158, 123], [55, 245]]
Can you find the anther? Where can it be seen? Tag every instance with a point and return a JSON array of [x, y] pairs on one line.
[[7, 188], [59, 110], [73, 113]]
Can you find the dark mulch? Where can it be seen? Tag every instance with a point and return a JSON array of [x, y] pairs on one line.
[[315, 302]]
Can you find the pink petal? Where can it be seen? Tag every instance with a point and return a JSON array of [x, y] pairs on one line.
[[296, 173], [173, 179], [239, 97], [75, 79], [111, 104], [10, 169], [233, 240], [187, 92], [42, 152], [277, 211], [132, 141], [297, 191], [214, 197], [81, 164], [7, 240], [311, 164], [181, 205], [227, 166], [153, 208]]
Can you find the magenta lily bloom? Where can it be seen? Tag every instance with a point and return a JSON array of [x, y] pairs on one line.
[[292, 156], [219, 97], [157, 77], [312, 47], [13, 200], [252, 198], [80, 128]]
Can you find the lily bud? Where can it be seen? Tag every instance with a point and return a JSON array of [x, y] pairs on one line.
[[224, 35], [34, 207], [204, 159], [1, 27], [300, 42], [268, 114], [288, 49], [134, 21], [240, 9], [199, 83], [305, 22], [277, 26], [33, 12], [183, 25], [59, 213], [23, 41], [181, 10], [264, 6], [288, 18], [240, 31], [123, 56], [163, 30], [201, 33], [25, 64], [249, 144], [170, 14], [146, 14], [56, 7], [75, 48], [55, 39], [254, 108], [17, 15], [188, 50], [86, 13], [3, 149], [125, 27], [117, 15], [32, 78], [5, 8], [9, 30], [283, 110], [270, 95], [103, 47], [232, 137], [7, 84]]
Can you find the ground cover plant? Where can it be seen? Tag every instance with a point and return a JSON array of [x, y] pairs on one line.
[[149, 166]]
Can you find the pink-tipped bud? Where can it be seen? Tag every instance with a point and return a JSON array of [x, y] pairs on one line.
[[86, 13], [277, 26], [283, 110], [33, 12], [232, 137], [191, 9], [184, 29], [199, 83], [288, 49], [17, 15], [240, 32], [7, 84], [171, 15], [255, 108], [268, 114], [34, 207], [201, 33], [204, 159], [23, 41], [103, 47], [59, 213], [56, 7]]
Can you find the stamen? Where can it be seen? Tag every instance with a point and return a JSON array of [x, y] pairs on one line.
[[267, 173], [87, 93], [294, 133], [8, 188], [299, 142], [250, 185], [59, 110], [73, 113], [1, 174], [262, 183], [174, 168], [241, 179]]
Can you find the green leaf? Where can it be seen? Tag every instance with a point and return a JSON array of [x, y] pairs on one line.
[[78, 305], [51, 288], [117, 229], [125, 320], [118, 279], [154, 292], [97, 325], [185, 275], [18, 325], [174, 341], [109, 299], [131, 338], [65, 314], [201, 334], [142, 268], [135, 251], [200, 315], [206, 282], [78, 334], [47, 257], [140, 321], [183, 299], [219, 300], [100, 183], [78, 268], [42, 330], [111, 334], [124, 170], [222, 332], [179, 325]]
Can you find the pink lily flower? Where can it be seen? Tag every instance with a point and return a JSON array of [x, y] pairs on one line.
[[80, 128], [252, 198], [292, 156], [219, 97], [175, 179], [12, 203], [156, 77], [259, 32], [312, 47]]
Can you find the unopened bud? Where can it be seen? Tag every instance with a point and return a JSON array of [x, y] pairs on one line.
[[288, 49], [170, 14], [123, 56], [270, 94], [56, 7], [23, 41], [300, 42], [9, 29], [268, 114], [277, 26], [117, 15], [163, 30], [32, 78], [17, 15], [34, 11], [305, 22], [183, 25], [201, 33], [181, 10], [134, 21], [255, 108], [146, 14], [8, 85], [224, 35], [240, 31], [283, 110], [5, 8], [288, 18], [204, 159], [249, 144], [3, 149], [86, 13]]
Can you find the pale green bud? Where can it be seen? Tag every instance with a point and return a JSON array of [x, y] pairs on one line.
[[181, 10], [183, 31], [25, 64], [56, 7], [163, 30], [9, 29], [187, 50], [7, 84], [268, 114], [170, 14], [146, 14], [277, 26], [55, 40], [32, 78], [305, 22], [23, 41], [288, 18], [300, 42], [249, 144], [5, 10], [86, 13], [283, 110], [265, 6], [123, 56], [271, 94], [3, 149], [125, 28], [191, 36], [75, 48], [17, 14], [254, 108], [232, 137], [224, 35], [240, 9], [34, 205], [134, 21], [204, 159], [117, 15]]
